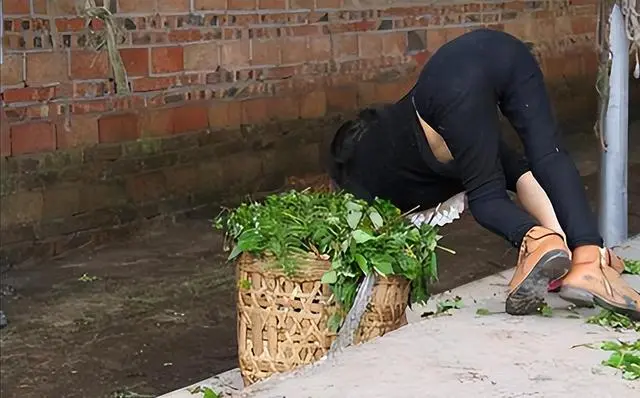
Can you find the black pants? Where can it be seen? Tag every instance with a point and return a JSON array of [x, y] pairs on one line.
[[385, 153], [458, 91]]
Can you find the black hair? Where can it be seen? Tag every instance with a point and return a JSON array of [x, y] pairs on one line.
[[342, 149]]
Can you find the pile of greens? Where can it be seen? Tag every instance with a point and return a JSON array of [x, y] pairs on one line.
[[358, 238]]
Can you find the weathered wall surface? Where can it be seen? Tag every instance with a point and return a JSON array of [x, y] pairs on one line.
[[228, 97]]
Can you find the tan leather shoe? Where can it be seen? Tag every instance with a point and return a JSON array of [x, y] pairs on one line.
[[593, 280], [615, 262], [543, 258]]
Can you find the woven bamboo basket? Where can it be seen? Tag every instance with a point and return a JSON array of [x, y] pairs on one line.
[[282, 321]]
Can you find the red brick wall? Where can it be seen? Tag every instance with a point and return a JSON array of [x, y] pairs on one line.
[[229, 96]]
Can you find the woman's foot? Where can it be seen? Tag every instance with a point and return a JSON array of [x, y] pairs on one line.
[[594, 279], [543, 258]]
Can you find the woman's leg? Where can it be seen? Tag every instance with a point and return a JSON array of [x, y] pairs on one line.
[[526, 104], [536, 202], [592, 279], [530, 194]]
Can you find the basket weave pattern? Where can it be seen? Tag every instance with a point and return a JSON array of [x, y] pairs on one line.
[[282, 321]]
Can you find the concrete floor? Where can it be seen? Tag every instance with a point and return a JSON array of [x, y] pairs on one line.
[[463, 353]]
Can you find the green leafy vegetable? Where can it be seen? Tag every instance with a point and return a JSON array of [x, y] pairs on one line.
[[624, 356], [449, 304], [614, 320], [632, 267], [357, 237]]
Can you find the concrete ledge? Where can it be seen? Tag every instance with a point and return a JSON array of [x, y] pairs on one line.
[[491, 356]]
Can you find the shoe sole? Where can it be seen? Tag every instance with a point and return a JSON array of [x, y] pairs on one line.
[[528, 297], [584, 298]]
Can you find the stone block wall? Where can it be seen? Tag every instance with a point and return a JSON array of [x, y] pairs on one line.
[[228, 97]]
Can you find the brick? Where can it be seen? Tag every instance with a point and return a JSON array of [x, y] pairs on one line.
[[203, 56], [146, 84], [272, 4], [345, 46], [583, 25], [225, 115], [394, 43], [181, 180], [70, 24], [60, 202], [5, 142], [47, 67], [90, 65], [341, 99], [158, 122], [173, 5], [319, 48], [136, 61], [63, 7], [242, 4], [255, 111], [454, 32], [265, 52], [301, 4], [370, 45], [367, 94], [294, 50], [146, 187], [185, 35], [15, 7], [313, 105], [328, 4], [29, 94], [390, 92], [435, 38], [167, 59], [516, 29], [32, 138], [235, 53], [81, 131], [283, 108], [11, 70], [21, 208], [40, 7], [190, 118], [137, 6], [210, 4], [118, 128]]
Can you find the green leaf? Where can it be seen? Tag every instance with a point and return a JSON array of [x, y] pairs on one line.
[[329, 277], [209, 393], [334, 322], [376, 218], [360, 236], [353, 206], [235, 252], [362, 262], [482, 312], [632, 267], [353, 219], [383, 268]]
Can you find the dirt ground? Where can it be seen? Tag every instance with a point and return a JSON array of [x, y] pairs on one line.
[[158, 313]]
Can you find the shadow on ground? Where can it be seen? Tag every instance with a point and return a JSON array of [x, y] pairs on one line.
[[157, 313]]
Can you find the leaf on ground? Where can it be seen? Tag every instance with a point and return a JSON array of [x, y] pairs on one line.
[[207, 392], [632, 267], [483, 312], [545, 310], [624, 356], [614, 320], [449, 304]]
